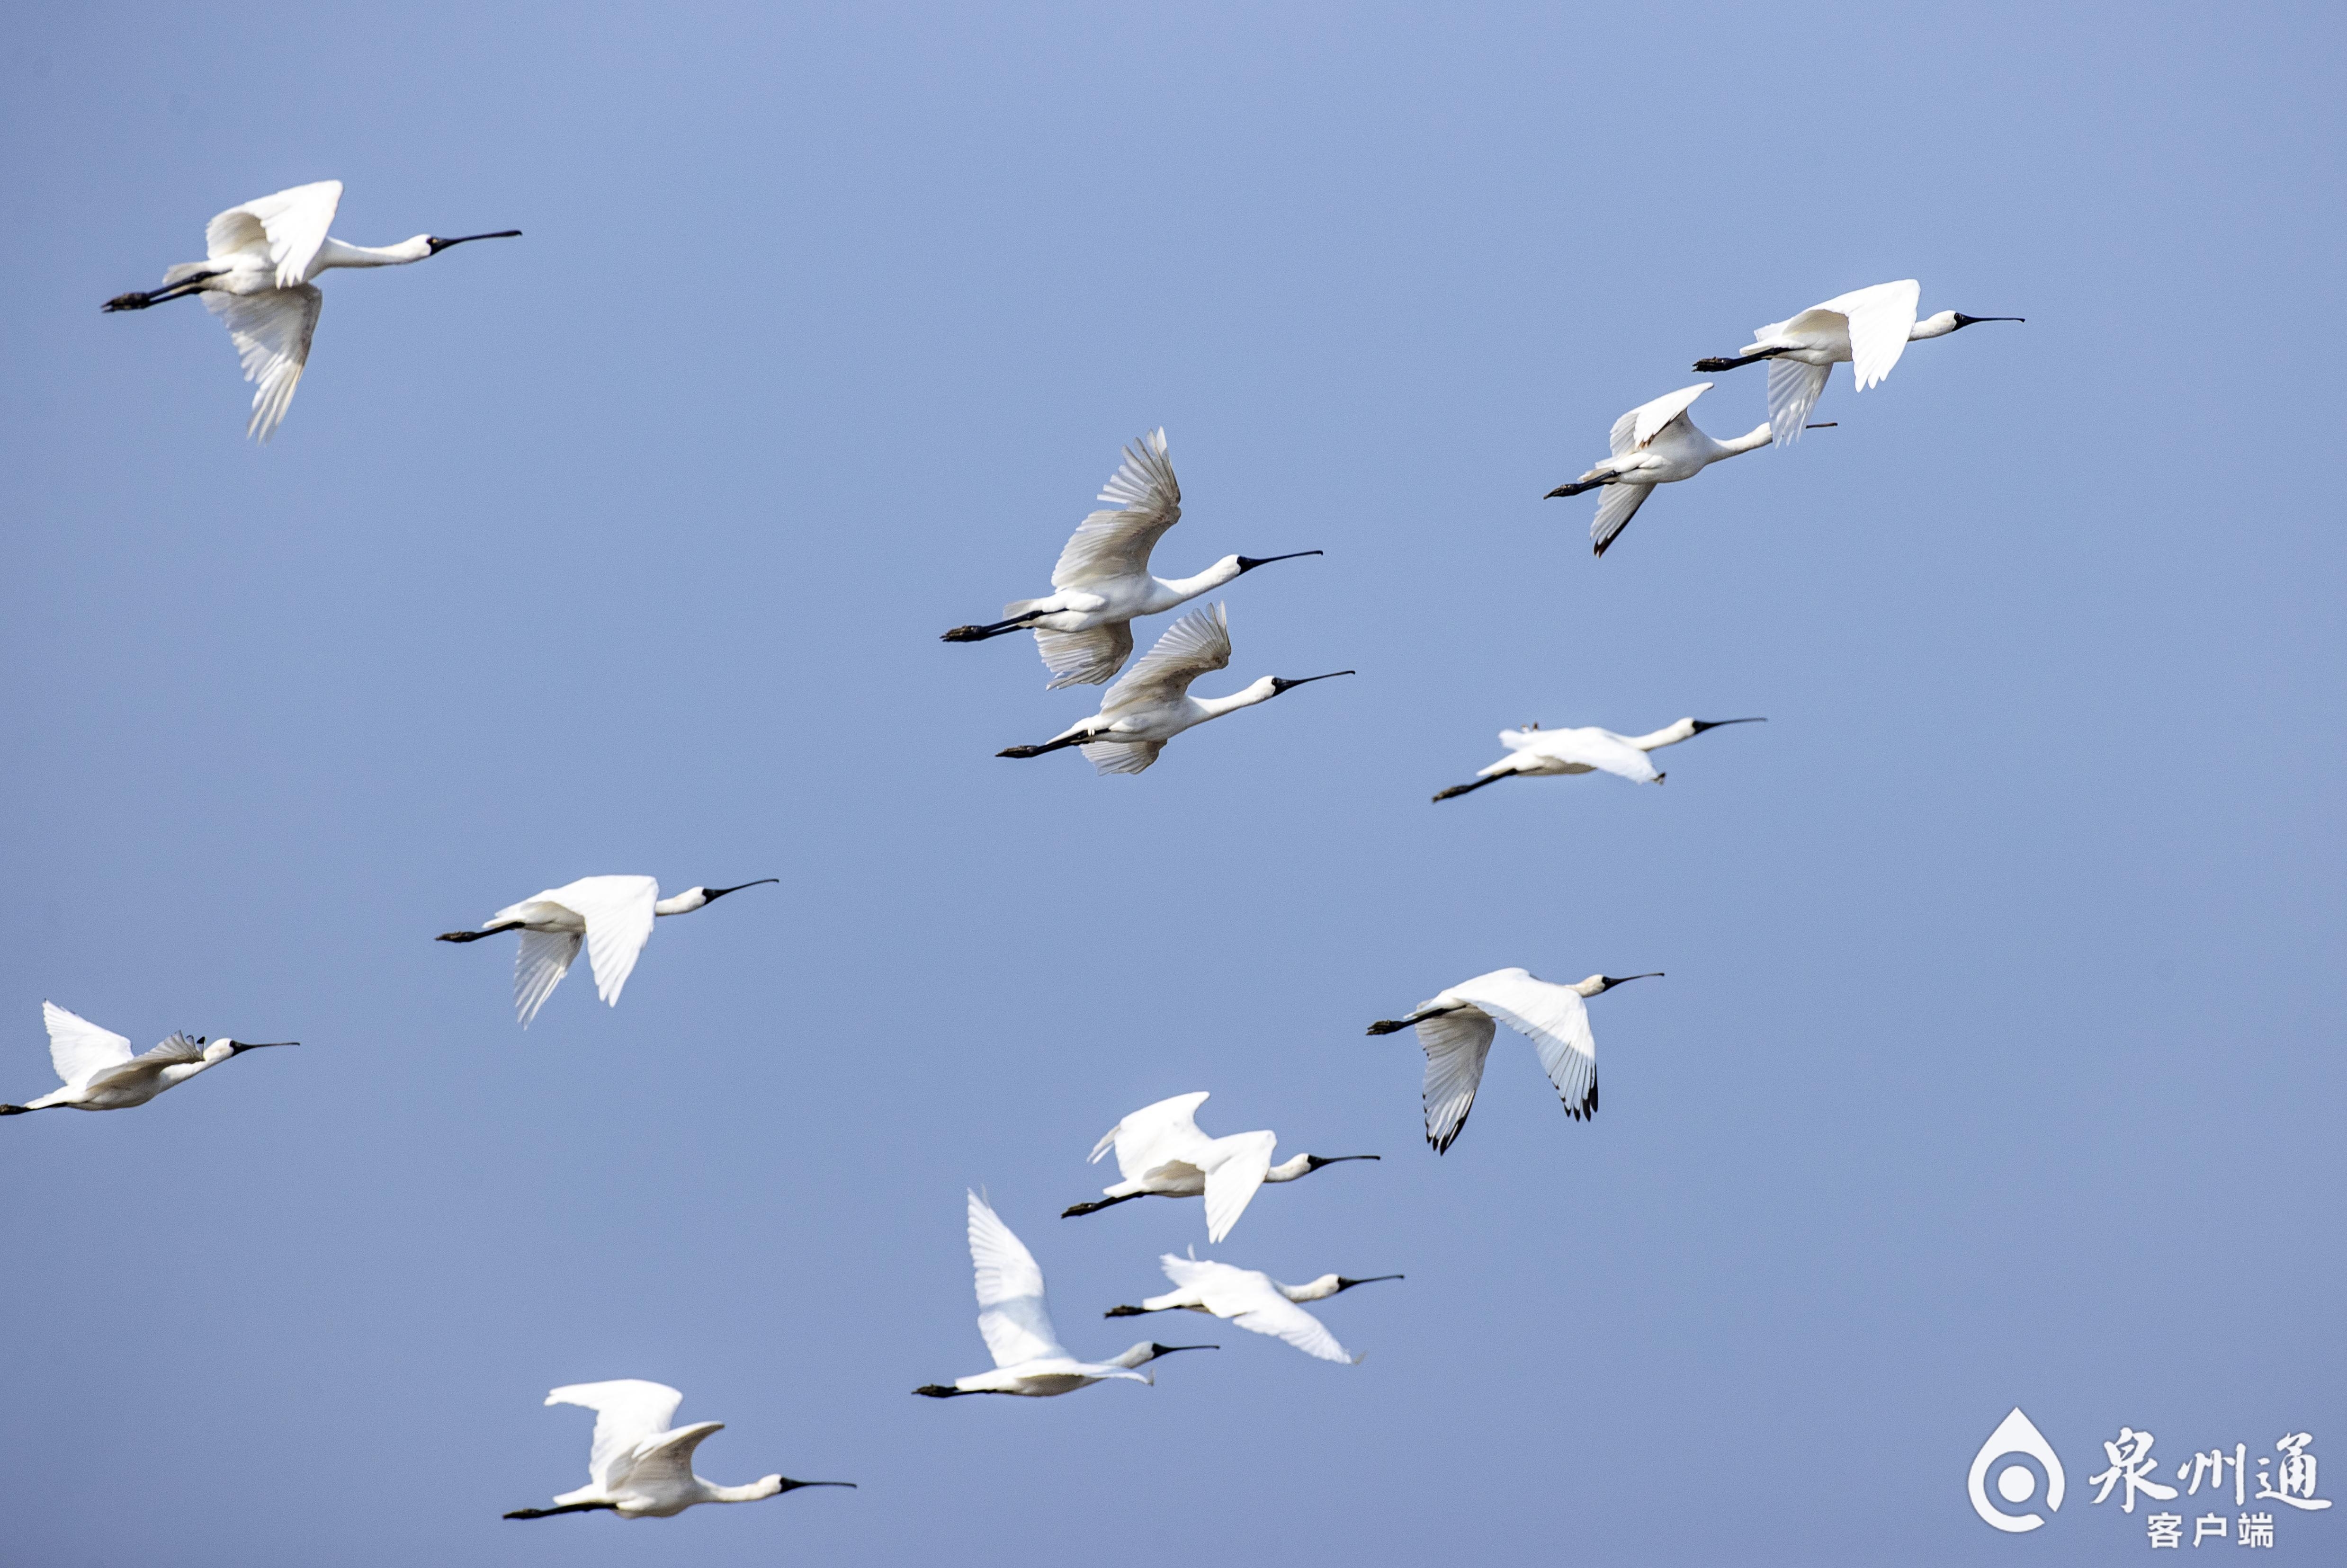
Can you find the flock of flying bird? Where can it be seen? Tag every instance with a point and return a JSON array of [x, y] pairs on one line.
[[262, 259]]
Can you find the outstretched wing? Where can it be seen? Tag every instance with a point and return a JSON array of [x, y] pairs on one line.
[[543, 959], [1234, 1177], [627, 1412], [1455, 1044], [619, 914], [661, 1462], [1197, 643], [1556, 1019], [1880, 320], [1614, 509], [1121, 756], [1085, 658], [1283, 1319], [1590, 748], [272, 332], [1646, 422], [288, 228], [1793, 391], [1011, 1311], [1118, 543], [78, 1048], [1153, 1134]]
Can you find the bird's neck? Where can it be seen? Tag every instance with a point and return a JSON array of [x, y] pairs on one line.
[[1144, 1351], [1216, 707], [1207, 582], [1940, 325], [335, 254], [1316, 1291], [684, 903], [1751, 441], [1669, 735], [1289, 1170], [757, 1490]]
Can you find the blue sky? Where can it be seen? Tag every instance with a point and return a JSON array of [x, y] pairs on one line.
[[1996, 1062]]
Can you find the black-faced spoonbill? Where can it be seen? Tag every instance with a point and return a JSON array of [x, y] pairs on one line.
[[1084, 628], [1867, 329], [100, 1073], [1151, 703], [1655, 443], [256, 278], [1028, 1359], [612, 915], [1161, 1154], [640, 1469], [1455, 1030], [1538, 752], [1253, 1300]]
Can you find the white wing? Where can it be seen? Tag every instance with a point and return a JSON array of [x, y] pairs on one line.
[[1233, 1179], [662, 1464], [1121, 756], [1646, 422], [1153, 1134], [1118, 543], [627, 1412], [80, 1051], [1880, 320], [1590, 748], [1251, 1300], [1455, 1046], [288, 228], [1198, 642], [1011, 1312], [1615, 508], [1085, 658], [619, 914], [1793, 391], [539, 965], [1557, 1021], [272, 332]]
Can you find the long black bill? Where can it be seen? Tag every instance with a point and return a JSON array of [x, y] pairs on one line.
[[1703, 724], [1248, 563], [1964, 321], [1279, 684], [1344, 1284], [1169, 1349], [711, 895], [790, 1485], [1611, 982], [1314, 1162], [239, 1046], [438, 245]]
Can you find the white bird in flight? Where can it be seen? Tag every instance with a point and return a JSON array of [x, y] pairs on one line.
[[1161, 1154], [1151, 703], [1253, 1300], [1655, 443], [260, 261], [612, 915], [1455, 1030], [1533, 752], [1028, 1359], [1868, 329], [100, 1073], [1084, 630], [639, 1466]]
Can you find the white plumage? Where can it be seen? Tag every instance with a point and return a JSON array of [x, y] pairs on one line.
[[259, 260], [1253, 1300], [1101, 584], [611, 916], [1455, 1028], [1537, 752], [1016, 1322], [100, 1073], [1161, 1152], [640, 1468], [1656, 443]]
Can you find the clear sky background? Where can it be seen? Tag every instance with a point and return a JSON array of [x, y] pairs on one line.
[[1998, 1059]]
